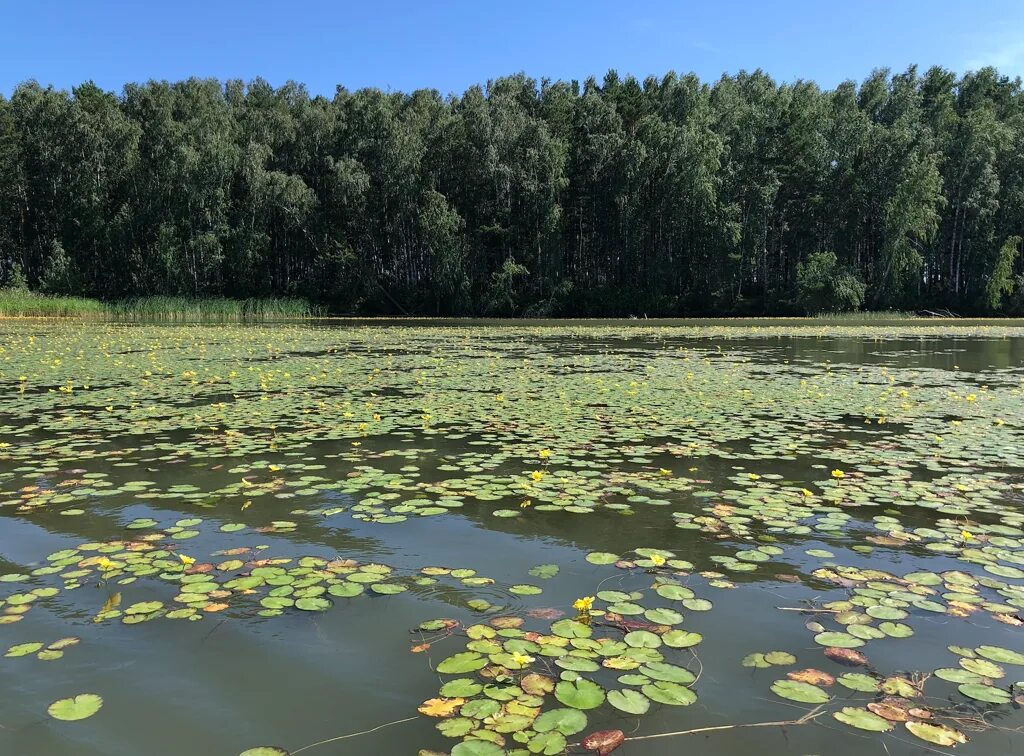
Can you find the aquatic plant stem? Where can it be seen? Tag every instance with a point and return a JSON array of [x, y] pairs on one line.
[[809, 716], [352, 734]]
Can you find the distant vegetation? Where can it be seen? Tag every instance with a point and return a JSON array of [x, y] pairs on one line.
[[18, 303], [210, 308], [669, 196], [24, 303]]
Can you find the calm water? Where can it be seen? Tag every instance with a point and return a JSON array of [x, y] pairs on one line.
[[683, 417]]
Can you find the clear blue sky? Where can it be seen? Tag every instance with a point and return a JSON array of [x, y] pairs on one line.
[[450, 45]]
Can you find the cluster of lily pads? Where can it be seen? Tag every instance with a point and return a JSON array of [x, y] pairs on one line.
[[237, 581], [526, 688], [628, 655]]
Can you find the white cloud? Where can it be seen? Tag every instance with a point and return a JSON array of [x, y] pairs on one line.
[[1008, 57]]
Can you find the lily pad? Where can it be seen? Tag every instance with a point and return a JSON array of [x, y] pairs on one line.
[[629, 701], [81, 706], [799, 691], [579, 694]]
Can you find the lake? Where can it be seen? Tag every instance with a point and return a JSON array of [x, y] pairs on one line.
[[427, 536]]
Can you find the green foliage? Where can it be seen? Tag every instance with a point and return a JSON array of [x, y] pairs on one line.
[[23, 303], [209, 309], [1000, 281], [616, 197], [825, 286]]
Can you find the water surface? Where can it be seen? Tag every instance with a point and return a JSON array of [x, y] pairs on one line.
[[732, 449]]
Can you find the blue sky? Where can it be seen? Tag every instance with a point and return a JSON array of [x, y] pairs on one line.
[[450, 45]]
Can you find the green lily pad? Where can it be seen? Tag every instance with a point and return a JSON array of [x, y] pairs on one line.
[[838, 640], [579, 694], [857, 681], [474, 747], [681, 639], [985, 693], [467, 661], [669, 693], [799, 691], [629, 701], [81, 706], [862, 719], [939, 734], [1000, 655], [565, 721]]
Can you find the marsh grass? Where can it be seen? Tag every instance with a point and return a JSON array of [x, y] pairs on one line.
[[210, 309], [21, 303], [858, 316], [26, 304]]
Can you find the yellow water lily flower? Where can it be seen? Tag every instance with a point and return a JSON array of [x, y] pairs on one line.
[[544, 453], [274, 468], [966, 535], [537, 476], [583, 604], [187, 560], [753, 476], [106, 564], [522, 659], [664, 473], [525, 503], [805, 493], [657, 559], [838, 474]]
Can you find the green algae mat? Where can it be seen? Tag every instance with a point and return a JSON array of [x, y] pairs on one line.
[[729, 538]]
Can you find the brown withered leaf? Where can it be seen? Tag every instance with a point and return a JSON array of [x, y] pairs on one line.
[[603, 742], [846, 656], [890, 712], [441, 707], [811, 676]]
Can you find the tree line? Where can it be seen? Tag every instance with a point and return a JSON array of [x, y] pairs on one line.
[[667, 196]]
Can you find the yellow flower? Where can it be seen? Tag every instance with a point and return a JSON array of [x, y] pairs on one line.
[[966, 535], [106, 564], [525, 503], [187, 560], [274, 468], [544, 453], [521, 659], [838, 474], [664, 473], [537, 476], [972, 397], [999, 421], [753, 476], [805, 493], [583, 604], [247, 505], [657, 559]]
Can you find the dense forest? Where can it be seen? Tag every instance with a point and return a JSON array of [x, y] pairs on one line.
[[668, 196]]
